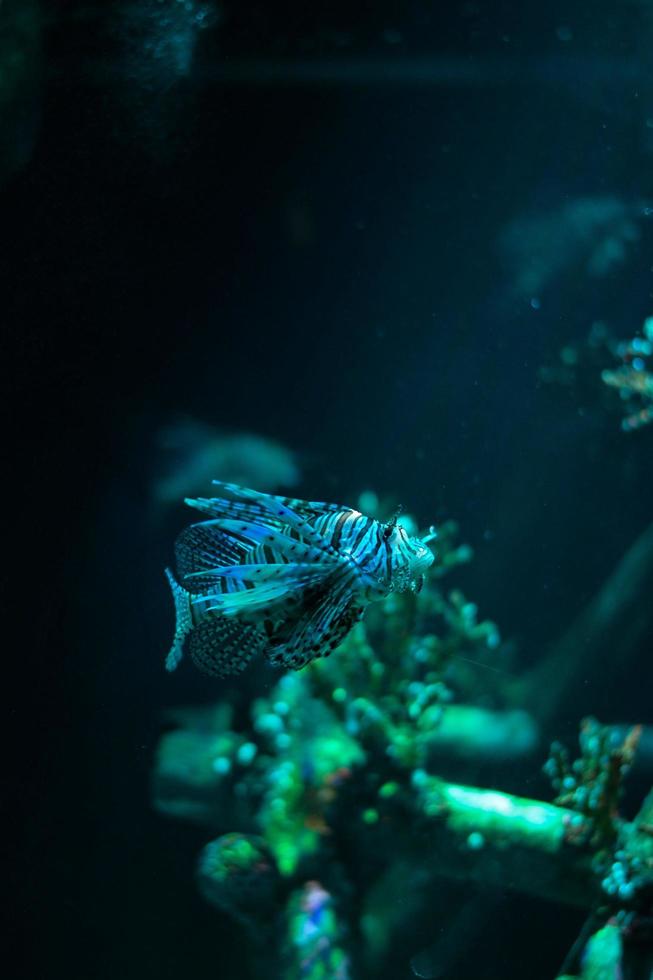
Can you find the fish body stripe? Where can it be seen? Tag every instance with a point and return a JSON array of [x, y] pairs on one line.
[[360, 539], [337, 531], [283, 577]]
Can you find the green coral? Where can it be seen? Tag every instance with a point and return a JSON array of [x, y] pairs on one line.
[[592, 784], [238, 874], [336, 766], [312, 947]]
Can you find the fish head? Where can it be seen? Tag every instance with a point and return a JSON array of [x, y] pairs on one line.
[[410, 558]]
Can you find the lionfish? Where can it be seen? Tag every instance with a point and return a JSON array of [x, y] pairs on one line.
[[283, 578]]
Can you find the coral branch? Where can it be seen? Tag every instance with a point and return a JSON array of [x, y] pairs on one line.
[[333, 769], [505, 840], [312, 949]]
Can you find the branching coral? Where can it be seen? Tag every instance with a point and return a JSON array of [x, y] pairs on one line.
[[592, 784], [622, 852], [336, 768], [633, 379], [603, 362]]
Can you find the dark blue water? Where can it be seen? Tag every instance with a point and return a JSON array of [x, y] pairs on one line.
[[290, 222]]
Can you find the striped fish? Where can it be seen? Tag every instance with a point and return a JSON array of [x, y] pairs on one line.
[[282, 578]]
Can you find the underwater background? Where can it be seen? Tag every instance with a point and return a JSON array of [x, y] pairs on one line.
[[378, 254]]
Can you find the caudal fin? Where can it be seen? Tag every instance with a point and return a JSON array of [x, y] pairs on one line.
[[183, 624]]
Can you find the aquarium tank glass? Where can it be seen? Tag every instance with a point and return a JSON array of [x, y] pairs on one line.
[[328, 359]]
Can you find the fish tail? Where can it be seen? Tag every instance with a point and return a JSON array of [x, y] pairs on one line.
[[183, 624]]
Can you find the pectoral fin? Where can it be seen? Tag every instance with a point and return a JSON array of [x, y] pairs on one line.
[[221, 647]]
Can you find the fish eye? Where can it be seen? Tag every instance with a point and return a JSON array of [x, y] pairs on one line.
[[392, 524]]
